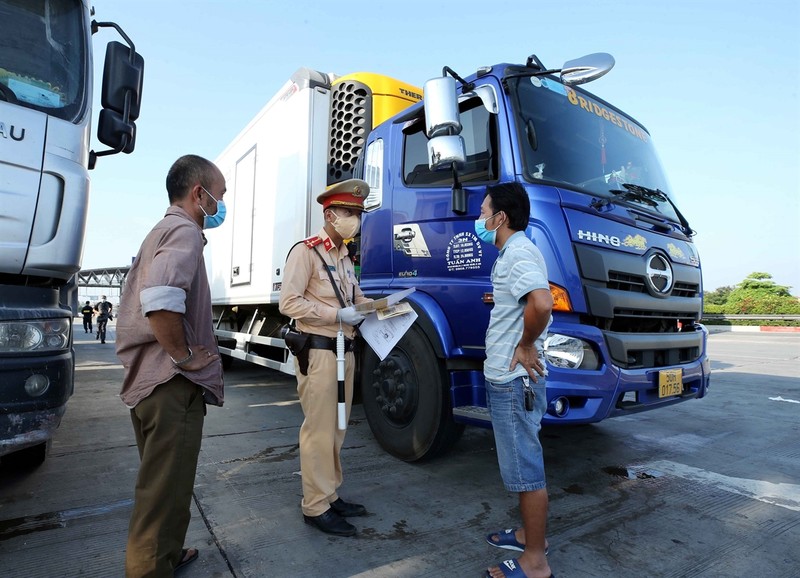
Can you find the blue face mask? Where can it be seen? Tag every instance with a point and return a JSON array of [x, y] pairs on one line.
[[215, 220], [483, 233]]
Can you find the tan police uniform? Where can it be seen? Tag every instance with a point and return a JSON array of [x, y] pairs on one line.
[[308, 297]]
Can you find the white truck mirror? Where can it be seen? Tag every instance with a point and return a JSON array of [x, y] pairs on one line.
[[441, 107], [443, 151], [586, 68]]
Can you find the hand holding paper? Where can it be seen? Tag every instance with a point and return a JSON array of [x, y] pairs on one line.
[[350, 316]]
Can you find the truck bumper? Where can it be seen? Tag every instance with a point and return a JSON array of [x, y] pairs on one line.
[[24, 430], [584, 396], [26, 421], [632, 391]]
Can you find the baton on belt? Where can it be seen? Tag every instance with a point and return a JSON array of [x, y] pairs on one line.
[[340, 406]]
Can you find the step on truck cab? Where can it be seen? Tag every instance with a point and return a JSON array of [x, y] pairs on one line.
[[45, 117], [624, 271]]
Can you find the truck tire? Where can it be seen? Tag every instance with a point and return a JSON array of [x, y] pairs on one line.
[[407, 399]]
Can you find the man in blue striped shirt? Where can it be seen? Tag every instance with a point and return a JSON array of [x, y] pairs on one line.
[[515, 372]]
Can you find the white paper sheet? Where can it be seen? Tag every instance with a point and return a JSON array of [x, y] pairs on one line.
[[383, 335]]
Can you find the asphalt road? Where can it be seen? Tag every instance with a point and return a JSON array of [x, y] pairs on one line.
[[704, 489]]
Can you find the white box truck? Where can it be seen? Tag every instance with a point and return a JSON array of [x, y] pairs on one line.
[[310, 134]]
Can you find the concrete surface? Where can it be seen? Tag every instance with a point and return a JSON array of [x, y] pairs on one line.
[[704, 489]]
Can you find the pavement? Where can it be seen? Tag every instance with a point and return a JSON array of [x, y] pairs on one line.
[[705, 488]]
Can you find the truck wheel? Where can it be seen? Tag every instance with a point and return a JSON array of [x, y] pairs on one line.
[[407, 399], [29, 458]]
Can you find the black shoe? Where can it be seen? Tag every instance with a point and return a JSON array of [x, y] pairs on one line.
[[331, 523], [103, 342], [346, 509]]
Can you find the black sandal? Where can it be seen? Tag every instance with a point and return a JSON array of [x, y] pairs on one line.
[[186, 561]]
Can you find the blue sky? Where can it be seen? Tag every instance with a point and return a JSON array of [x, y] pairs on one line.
[[715, 82]]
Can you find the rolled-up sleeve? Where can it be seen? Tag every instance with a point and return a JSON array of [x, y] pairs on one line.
[[163, 299], [170, 275]]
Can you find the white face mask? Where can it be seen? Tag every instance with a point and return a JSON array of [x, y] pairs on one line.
[[346, 227]]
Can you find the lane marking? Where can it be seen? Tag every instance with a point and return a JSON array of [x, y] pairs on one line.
[[96, 367], [779, 398], [276, 403], [778, 494]]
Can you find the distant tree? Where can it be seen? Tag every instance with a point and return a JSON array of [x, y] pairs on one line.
[[718, 296], [763, 282], [759, 294]]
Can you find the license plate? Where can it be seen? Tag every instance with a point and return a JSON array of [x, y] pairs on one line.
[[670, 382]]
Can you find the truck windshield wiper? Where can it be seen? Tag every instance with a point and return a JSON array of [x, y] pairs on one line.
[[644, 195], [647, 196]]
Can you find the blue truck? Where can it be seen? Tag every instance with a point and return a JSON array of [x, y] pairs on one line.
[[624, 271]]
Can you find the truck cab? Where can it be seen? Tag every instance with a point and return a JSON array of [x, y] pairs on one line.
[[45, 118], [624, 272]]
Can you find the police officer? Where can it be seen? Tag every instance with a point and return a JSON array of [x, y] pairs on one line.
[[88, 312], [104, 308], [319, 291]]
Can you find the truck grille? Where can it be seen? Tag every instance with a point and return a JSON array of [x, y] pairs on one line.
[[642, 329], [636, 283]]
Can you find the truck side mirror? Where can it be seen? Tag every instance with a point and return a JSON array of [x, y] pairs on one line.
[[121, 98], [112, 130], [441, 107], [442, 123], [443, 151], [123, 73], [586, 68]]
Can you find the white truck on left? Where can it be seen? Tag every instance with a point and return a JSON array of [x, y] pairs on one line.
[[45, 118]]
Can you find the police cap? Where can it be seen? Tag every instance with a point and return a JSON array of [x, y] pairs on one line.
[[350, 193]]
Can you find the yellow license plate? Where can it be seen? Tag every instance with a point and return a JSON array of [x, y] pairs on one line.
[[670, 382]]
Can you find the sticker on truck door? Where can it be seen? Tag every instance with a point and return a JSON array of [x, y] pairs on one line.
[[408, 239], [464, 252]]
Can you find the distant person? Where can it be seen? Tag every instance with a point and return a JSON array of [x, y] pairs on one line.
[[88, 313], [319, 291], [515, 372], [103, 309], [172, 365]]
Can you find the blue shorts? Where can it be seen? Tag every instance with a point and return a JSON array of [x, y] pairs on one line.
[[516, 433]]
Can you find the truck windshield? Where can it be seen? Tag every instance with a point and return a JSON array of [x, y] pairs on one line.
[[582, 143], [43, 55]]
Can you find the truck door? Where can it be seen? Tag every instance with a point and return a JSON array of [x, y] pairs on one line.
[[22, 136], [242, 245], [434, 248]]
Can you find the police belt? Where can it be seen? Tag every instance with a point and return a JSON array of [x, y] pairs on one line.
[[321, 342]]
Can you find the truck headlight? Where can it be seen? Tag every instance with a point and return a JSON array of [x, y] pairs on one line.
[[569, 352], [34, 336]]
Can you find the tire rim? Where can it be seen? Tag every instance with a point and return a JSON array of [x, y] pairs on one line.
[[396, 391]]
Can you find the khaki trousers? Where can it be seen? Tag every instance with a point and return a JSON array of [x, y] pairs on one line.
[[168, 425], [320, 439]]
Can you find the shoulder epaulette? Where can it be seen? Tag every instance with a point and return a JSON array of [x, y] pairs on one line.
[[312, 242]]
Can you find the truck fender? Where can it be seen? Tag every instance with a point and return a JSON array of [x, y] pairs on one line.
[[433, 323]]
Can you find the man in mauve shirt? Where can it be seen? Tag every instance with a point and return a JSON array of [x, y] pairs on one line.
[[165, 341]]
